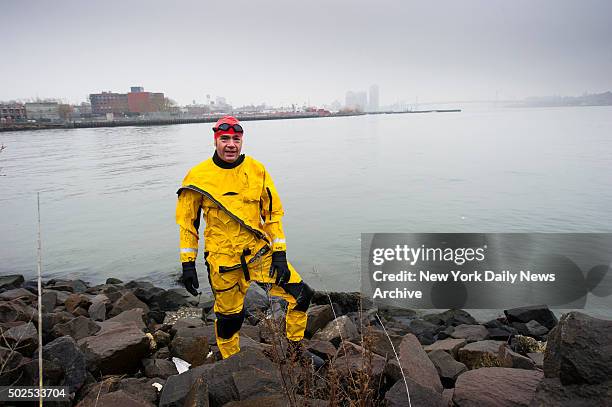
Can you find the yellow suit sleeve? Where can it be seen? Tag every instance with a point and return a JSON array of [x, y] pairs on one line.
[[272, 213], [188, 210]]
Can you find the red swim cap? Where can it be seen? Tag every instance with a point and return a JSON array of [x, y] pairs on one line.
[[227, 125]]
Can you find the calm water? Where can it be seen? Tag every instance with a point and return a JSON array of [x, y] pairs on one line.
[[108, 195]]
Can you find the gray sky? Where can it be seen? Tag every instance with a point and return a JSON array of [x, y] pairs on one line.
[[281, 52]]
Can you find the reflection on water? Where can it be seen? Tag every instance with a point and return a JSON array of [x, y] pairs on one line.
[[108, 195]]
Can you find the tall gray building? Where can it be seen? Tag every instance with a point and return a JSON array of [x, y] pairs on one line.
[[374, 104]]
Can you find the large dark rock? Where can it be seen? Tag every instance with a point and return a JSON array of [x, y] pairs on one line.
[[49, 301], [383, 345], [78, 328], [448, 368], [341, 328], [12, 363], [168, 301], [496, 386], [73, 286], [451, 317], [10, 281], [126, 302], [318, 317], [134, 316], [16, 310], [417, 366], [74, 301], [425, 331], [448, 345], [256, 302], [551, 393], [481, 354], [509, 358], [531, 328], [192, 349], [116, 350], [65, 353], [346, 302], [114, 399], [23, 338], [579, 350], [18, 293], [159, 368], [198, 394], [352, 359], [220, 378], [97, 309], [397, 396], [471, 333], [539, 313]]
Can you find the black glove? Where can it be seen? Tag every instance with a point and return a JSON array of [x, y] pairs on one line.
[[280, 267], [190, 278]]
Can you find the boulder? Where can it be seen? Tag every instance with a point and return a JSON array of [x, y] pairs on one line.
[[49, 301], [16, 310], [220, 379], [168, 301], [10, 281], [161, 338], [346, 302], [538, 359], [192, 349], [539, 313], [159, 368], [353, 358], [509, 358], [551, 393], [65, 353], [447, 395], [23, 338], [481, 354], [112, 280], [74, 301], [318, 317], [116, 350], [126, 302], [448, 368], [198, 394], [78, 328], [256, 302], [496, 386], [323, 349], [452, 317], [97, 309], [532, 328], [425, 331], [134, 316], [448, 345], [16, 293], [383, 345], [416, 365], [341, 328], [185, 323], [397, 396], [471, 333], [579, 350], [116, 398], [73, 286], [141, 387]]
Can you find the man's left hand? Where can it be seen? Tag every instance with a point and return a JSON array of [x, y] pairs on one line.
[[280, 267]]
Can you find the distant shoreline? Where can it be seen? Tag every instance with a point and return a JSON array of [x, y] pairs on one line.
[[210, 119]]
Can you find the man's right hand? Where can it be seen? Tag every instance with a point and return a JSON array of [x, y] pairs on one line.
[[190, 278]]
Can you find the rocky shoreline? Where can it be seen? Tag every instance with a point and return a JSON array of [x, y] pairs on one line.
[[123, 344]]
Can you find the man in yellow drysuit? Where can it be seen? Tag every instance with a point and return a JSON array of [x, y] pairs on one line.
[[243, 239]]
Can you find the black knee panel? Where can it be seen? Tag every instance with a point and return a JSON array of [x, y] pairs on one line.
[[302, 294], [229, 324]]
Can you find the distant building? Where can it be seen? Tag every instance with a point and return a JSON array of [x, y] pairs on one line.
[[43, 111], [109, 102], [140, 101], [12, 112], [356, 100], [374, 102]]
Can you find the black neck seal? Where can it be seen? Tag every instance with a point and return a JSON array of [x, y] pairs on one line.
[[224, 164]]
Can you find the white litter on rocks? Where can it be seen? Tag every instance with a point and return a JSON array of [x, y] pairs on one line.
[[181, 365], [158, 386]]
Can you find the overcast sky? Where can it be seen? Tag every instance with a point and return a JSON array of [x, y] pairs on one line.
[[283, 52]]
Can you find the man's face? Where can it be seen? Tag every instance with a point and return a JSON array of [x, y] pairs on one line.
[[229, 146]]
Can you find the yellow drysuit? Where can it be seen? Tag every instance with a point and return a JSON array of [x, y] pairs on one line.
[[243, 214]]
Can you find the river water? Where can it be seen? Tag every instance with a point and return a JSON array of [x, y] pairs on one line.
[[107, 195]]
